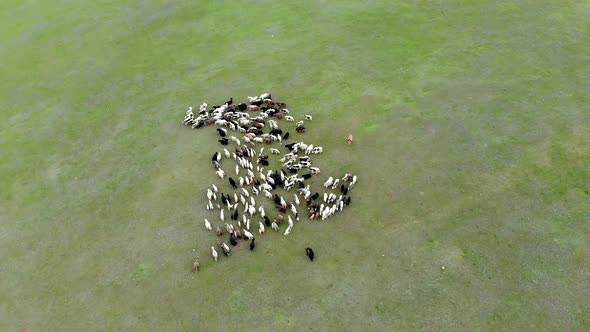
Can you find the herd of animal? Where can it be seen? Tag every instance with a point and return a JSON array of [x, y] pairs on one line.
[[256, 179]]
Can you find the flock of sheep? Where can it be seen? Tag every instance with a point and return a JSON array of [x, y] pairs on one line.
[[254, 180]]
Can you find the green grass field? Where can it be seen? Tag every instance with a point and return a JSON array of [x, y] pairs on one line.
[[472, 146]]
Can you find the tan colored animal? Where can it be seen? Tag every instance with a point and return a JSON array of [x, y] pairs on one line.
[[214, 253], [196, 265]]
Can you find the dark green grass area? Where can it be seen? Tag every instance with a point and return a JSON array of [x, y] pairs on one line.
[[471, 122]]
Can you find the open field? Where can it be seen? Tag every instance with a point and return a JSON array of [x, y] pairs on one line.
[[472, 146]]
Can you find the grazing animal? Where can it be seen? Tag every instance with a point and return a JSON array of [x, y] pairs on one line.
[[309, 252], [252, 245], [208, 225], [260, 228], [218, 231], [233, 239], [223, 141], [286, 136], [329, 182], [315, 196], [233, 183], [275, 226], [266, 221], [225, 249], [308, 117], [221, 216], [248, 235], [336, 183], [214, 253], [222, 132], [288, 231], [196, 265]]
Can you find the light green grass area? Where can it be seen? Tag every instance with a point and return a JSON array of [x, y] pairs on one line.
[[472, 147]]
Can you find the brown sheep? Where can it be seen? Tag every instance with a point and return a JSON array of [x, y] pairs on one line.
[[196, 265]]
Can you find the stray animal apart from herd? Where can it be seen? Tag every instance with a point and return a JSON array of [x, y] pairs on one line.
[[257, 121]]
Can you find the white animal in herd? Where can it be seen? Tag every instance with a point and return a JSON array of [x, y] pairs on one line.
[[260, 228], [208, 224], [287, 231], [329, 182], [248, 235]]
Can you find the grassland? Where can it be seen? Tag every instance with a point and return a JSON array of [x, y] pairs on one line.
[[472, 145]]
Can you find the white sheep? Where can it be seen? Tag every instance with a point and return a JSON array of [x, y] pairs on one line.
[[275, 151], [214, 188], [261, 211], [248, 235], [296, 199], [274, 226], [208, 225], [289, 118], [308, 117], [336, 183], [220, 173], [329, 182], [221, 216], [314, 170], [229, 228], [260, 228], [287, 231]]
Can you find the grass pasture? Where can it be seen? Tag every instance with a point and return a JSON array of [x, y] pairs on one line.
[[472, 146]]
